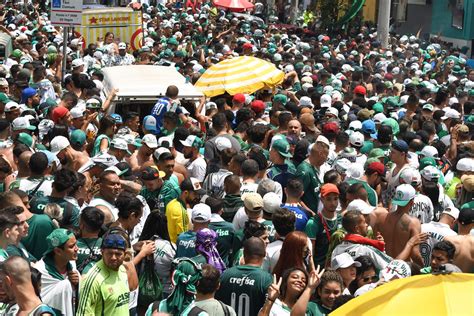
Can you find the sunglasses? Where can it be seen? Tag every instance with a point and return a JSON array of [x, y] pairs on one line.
[[114, 243], [372, 279]]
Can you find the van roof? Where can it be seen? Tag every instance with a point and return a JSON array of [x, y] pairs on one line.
[[142, 82]]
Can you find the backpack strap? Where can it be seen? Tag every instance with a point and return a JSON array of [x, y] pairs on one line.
[[224, 308], [195, 311]]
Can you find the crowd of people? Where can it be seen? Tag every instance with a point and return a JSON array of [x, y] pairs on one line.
[[356, 170]]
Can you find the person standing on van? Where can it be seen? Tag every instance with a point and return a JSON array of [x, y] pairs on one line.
[[168, 103]]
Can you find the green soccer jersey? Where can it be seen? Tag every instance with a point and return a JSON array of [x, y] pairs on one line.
[[270, 229], [20, 251], [225, 235], [186, 245], [152, 198], [169, 191], [244, 288], [316, 309], [70, 211], [311, 184], [40, 227], [88, 254], [104, 292], [371, 193], [320, 230]]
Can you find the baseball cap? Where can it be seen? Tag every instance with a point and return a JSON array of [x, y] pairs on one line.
[[377, 153], [428, 107], [431, 173], [93, 103], [150, 141], [201, 213], [356, 139], [378, 167], [379, 118], [222, 143], [322, 139], [341, 165], [122, 45], [307, 120], [28, 93], [429, 151], [58, 143], [114, 241], [329, 188], [451, 211], [57, 238], [466, 216], [280, 98], [326, 101], [117, 118], [149, 123], [120, 144], [427, 161], [411, 176], [257, 106], [78, 62], [364, 114], [355, 125], [343, 260], [404, 194], [400, 145], [378, 108], [58, 113], [239, 98], [396, 269], [192, 184], [22, 123], [361, 206], [450, 113], [360, 90], [192, 141], [271, 202], [465, 164], [11, 106], [306, 101], [78, 137], [76, 112], [151, 173], [332, 111], [25, 139], [368, 127], [104, 160], [253, 202], [331, 127], [282, 147], [355, 171]]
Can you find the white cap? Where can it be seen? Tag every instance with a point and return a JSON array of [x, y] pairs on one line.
[[150, 141], [465, 164], [197, 67], [159, 151], [11, 106], [341, 165], [347, 68], [120, 144], [326, 101], [361, 206], [336, 96], [76, 112], [306, 101], [223, 143], [411, 176], [343, 260], [355, 125], [78, 62], [453, 100], [163, 139], [451, 211], [201, 213], [396, 269], [356, 139], [323, 139], [190, 141], [122, 45], [379, 118], [58, 143], [431, 173], [429, 151], [404, 194], [451, 113], [332, 111], [21, 123], [271, 202], [355, 171]]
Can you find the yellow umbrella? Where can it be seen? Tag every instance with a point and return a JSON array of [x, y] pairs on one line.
[[243, 74], [451, 294]]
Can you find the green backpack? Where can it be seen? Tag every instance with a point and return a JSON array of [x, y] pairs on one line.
[[150, 288]]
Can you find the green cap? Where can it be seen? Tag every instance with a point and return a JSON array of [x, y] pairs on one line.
[[57, 238], [282, 147], [470, 118], [378, 107], [299, 65], [393, 124], [427, 161], [377, 153], [4, 98], [17, 53], [167, 53], [471, 93], [25, 139], [369, 161], [283, 99], [78, 137], [392, 102], [367, 147], [179, 53], [93, 103], [172, 41]]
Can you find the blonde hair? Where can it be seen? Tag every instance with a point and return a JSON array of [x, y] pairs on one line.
[[55, 212]]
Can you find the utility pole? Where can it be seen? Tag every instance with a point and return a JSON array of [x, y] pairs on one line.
[[383, 22]]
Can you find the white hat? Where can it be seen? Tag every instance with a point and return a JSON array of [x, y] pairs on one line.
[[197, 67], [431, 173], [288, 68], [120, 144], [150, 141], [192, 141], [58, 143], [76, 112], [404, 194], [451, 211], [78, 62], [159, 151], [307, 79], [222, 143], [326, 101], [336, 96], [379, 118], [122, 45], [411, 176], [355, 171], [211, 105], [361, 206], [322, 139], [201, 213], [21, 123], [397, 269], [306, 101], [271, 202], [429, 151], [11, 106], [347, 68], [451, 113], [332, 111], [105, 159], [343, 260], [465, 164], [357, 139], [341, 165], [355, 125], [453, 100], [165, 139]]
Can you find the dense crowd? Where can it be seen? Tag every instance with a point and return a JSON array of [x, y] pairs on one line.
[[356, 170]]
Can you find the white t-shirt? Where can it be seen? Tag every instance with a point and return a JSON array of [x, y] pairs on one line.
[[240, 218], [248, 187], [437, 232], [164, 255], [197, 168], [422, 208]]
